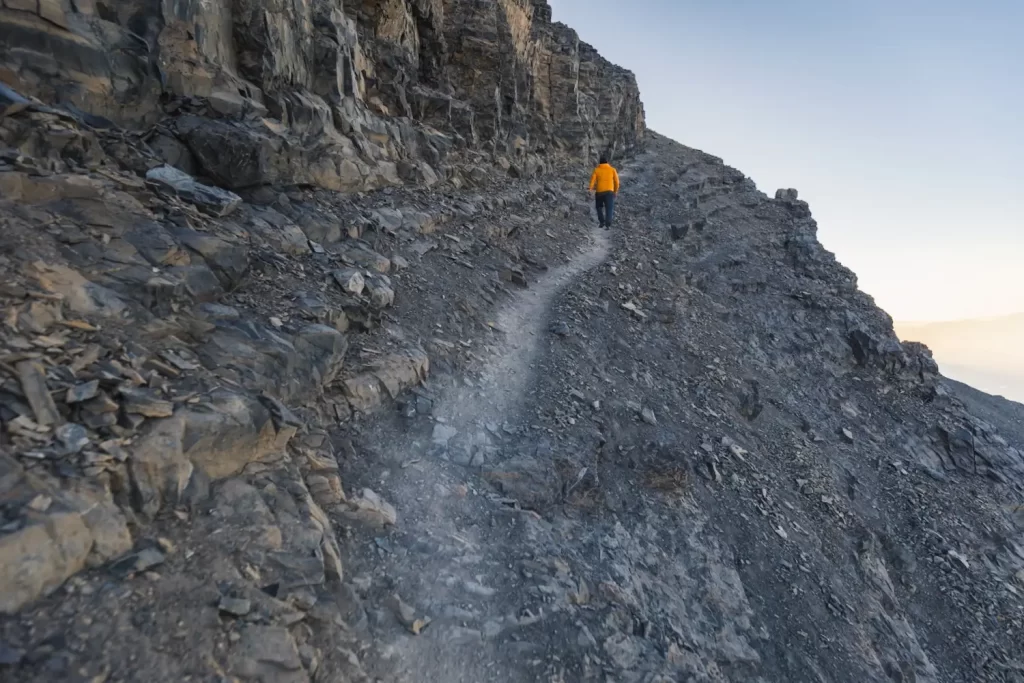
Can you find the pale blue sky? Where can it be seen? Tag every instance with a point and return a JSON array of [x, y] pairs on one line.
[[900, 121]]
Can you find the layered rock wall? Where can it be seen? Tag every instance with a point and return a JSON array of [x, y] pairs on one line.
[[345, 96]]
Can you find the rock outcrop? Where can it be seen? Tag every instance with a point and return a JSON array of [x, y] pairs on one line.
[[344, 96]]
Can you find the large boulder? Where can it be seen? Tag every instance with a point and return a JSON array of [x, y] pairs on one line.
[[50, 534]]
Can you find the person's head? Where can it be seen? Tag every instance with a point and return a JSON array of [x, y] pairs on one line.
[[604, 159]]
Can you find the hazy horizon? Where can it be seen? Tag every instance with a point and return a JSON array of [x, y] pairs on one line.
[[982, 352], [897, 122]]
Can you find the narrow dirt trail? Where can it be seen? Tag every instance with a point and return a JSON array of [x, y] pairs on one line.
[[455, 559], [507, 368]]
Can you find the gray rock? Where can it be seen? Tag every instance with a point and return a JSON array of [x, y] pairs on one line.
[[560, 328], [158, 469], [370, 508], [443, 434], [47, 548], [213, 200], [145, 402], [514, 276], [586, 639], [350, 280], [380, 291], [625, 651], [143, 560], [387, 220], [82, 392], [33, 384], [72, 438], [238, 607], [10, 656], [267, 653]]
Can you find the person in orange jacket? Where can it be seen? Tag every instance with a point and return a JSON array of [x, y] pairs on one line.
[[604, 183]]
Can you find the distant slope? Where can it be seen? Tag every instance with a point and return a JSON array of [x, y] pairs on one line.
[[987, 353], [1009, 415]]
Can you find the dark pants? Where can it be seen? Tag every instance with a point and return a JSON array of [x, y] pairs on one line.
[[605, 206]]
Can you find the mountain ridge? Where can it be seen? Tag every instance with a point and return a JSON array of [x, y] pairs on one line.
[[313, 368]]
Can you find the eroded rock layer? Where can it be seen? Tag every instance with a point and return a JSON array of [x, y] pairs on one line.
[[344, 96]]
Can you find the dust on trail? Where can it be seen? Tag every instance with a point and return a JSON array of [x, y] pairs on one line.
[[448, 557], [507, 367]]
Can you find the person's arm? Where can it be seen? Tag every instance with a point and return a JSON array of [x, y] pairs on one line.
[[593, 180], [616, 180]]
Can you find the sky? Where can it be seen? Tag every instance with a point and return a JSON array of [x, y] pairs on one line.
[[901, 122]]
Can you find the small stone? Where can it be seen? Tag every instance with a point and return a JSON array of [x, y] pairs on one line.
[[41, 503], [370, 508], [847, 435], [72, 438], [362, 583], [33, 384], [443, 434], [648, 416], [560, 328], [407, 616], [586, 638], [266, 653], [380, 291], [139, 562], [100, 405], [350, 280], [238, 607], [166, 545], [82, 392], [145, 402], [10, 656], [492, 629], [478, 589], [100, 421], [514, 276], [303, 598], [960, 557]]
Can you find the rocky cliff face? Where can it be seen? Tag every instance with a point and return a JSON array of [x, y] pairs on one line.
[[345, 96]]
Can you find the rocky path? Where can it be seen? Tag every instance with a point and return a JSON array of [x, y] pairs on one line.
[[457, 572]]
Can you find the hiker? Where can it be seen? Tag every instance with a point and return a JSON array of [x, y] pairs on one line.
[[604, 183]]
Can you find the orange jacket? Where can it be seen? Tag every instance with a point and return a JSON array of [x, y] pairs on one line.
[[604, 179]]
